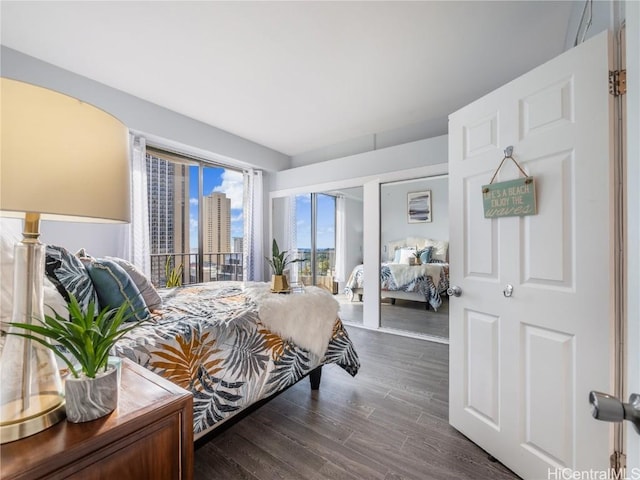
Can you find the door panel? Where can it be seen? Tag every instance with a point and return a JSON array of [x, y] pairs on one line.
[[481, 238], [521, 366], [543, 266], [547, 109], [549, 432], [482, 377]]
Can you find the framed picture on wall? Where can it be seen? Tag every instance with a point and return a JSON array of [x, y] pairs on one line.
[[419, 207]]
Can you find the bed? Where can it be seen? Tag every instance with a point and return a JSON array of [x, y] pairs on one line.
[[233, 345], [211, 340], [402, 278]]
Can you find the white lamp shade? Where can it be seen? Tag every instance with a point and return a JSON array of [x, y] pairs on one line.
[[61, 157]]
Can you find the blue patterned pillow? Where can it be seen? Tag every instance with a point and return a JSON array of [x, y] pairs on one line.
[[68, 275], [425, 256], [115, 287], [147, 290]]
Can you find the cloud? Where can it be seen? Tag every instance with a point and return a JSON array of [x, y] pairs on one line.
[[233, 186], [193, 201], [193, 233]]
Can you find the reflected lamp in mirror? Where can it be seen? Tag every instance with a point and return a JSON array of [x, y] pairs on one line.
[[61, 159]]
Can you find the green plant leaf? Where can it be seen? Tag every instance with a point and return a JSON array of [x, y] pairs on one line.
[[88, 336]]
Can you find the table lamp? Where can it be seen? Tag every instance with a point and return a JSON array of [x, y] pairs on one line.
[[61, 159]]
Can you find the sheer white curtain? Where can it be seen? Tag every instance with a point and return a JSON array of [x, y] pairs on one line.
[[341, 239], [136, 237], [253, 261]]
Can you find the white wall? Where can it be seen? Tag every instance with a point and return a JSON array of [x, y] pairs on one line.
[[602, 14], [99, 239], [393, 211], [352, 170], [374, 141]]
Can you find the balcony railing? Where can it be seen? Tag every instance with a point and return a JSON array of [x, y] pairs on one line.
[[217, 266]]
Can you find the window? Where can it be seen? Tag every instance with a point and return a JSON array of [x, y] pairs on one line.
[[195, 219], [316, 239]]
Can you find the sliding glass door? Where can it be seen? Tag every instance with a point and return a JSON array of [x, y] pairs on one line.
[[196, 222], [315, 240]]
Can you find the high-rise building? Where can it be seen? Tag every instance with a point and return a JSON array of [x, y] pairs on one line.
[[238, 244], [168, 197], [217, 223]]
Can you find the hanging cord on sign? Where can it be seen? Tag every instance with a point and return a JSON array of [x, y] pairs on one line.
[[508, 154]]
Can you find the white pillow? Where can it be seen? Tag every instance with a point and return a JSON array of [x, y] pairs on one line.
[[393, 249], [10, 234]]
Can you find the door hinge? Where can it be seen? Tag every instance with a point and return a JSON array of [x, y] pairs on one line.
[[618, 464], [617, 82]]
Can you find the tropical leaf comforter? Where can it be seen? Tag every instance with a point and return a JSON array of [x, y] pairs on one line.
[[430, 280], [210, 341]]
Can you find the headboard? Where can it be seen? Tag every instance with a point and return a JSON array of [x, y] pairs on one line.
[[440, 250]]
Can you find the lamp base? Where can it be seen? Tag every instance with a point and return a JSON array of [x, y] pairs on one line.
[[35, 420], [31, 397]]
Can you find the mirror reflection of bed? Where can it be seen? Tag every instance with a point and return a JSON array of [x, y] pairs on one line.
[[414, 223], [414, 260]]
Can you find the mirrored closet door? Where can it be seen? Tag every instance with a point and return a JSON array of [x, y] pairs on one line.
[[323, 230], [414, 268]]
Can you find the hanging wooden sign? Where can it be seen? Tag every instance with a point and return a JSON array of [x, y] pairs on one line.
[[513, 198], [510, 198]]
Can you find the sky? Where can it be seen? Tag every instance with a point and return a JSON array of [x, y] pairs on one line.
[[216, 179], [326, 221]]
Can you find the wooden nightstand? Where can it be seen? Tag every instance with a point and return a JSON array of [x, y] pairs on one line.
[[149, 435]]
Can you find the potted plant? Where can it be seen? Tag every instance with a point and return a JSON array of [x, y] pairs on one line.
[[91, 389], [279, 261], [417, 253], [173, 274]]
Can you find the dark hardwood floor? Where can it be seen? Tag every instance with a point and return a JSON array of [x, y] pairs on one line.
[[389, 422], [403, 315]]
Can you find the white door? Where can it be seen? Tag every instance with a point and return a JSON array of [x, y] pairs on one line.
[[521, 367]]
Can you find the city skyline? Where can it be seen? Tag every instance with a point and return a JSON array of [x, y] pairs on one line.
[[231, 183]]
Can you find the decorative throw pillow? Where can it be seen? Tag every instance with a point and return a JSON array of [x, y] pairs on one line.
[[147, 290], [115, 287], [440, 250], [68, 275], [425, 256]]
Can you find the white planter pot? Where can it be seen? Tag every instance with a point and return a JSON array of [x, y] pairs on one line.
[[91, 398]]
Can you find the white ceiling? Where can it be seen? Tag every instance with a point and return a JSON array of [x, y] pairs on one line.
[[295, 76]]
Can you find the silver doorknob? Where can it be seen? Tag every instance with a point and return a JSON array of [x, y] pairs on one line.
[[608, 408], [508, 290], [454, 291]]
